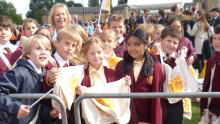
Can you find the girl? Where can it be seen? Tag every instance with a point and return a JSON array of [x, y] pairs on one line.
[[200, 31], [77, 57], [110, 42], [146, 76], [96, 73], [157, 39], [29, 27], [59, 18]]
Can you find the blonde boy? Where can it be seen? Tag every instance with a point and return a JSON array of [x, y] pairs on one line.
[[26, 77], [116, 23]]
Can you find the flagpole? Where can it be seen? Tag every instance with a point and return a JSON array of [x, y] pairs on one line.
[[99, 15]]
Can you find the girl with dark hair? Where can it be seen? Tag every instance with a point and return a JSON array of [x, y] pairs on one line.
[[146, 76]]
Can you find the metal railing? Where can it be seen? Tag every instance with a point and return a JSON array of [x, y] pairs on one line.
[[49, 96], [139, 95]]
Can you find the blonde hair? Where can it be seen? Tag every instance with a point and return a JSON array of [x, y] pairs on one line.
[[29, 20], [28, 45], [149, 28], [108, 34], [80, 31], [118, 18], [92, 40], [56, 8], [68, 34], [158, 26]]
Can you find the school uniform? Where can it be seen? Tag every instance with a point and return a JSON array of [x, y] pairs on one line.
[[122, 46], [12, 57], [77, 59], [215, 102], [24, 78], [144, 110]]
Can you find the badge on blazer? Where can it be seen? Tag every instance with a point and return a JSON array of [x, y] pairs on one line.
[[150, 79]]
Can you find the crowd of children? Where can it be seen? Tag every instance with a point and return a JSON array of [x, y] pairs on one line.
[[31, 65]]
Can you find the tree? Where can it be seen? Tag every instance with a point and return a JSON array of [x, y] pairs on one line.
[[93, 3], [73, 4], [122, 2], [8, 9]]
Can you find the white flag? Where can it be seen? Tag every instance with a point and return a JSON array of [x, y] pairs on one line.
[[68, 79], [105, 5], [107, 110]]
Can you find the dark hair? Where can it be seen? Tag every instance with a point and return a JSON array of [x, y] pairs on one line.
[[6, 22], [162, 12], [149, 61], [171, 31], [148, 10], [173, 20], [173, 8], [188, 12], [217, 29], [215, 9], [211, 39]]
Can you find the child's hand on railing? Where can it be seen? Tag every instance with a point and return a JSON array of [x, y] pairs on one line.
[[81, 90], [23, 111], [55, 113]]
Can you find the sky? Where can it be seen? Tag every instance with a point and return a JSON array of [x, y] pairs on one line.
[[22, 6]]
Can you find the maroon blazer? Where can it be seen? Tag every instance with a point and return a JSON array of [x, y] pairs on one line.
[[11, 58], [145, 110], [214, 59], [119, 50]]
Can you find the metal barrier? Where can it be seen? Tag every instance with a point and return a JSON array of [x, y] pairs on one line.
[[139, 95], [49, 96]]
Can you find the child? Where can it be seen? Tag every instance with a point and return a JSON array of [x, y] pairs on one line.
[[77, 57], [66, 43], [44, 31], [146, 76], [171, 37], [149, 29], [26, 77], [96, 73], [214, 61], [109, 40], [9, 54], [29, 27], [157, 39], [59, 18], [116, 23]]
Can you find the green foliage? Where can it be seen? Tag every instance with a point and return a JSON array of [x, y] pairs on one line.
[[73, 4], [8, 9], [93, 3], [122, 2]]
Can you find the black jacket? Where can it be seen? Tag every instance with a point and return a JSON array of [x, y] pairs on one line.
[[216, 21], [22, 79]]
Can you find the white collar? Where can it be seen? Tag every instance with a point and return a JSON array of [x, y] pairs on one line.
[[144, 20], [35, 68], [54, 37], [121, 40], [11, 46], [60, 60]]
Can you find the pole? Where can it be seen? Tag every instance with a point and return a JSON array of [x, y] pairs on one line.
[[100, 12], [83, 10]]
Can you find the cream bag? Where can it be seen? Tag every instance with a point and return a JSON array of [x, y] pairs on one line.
[[107, 110]]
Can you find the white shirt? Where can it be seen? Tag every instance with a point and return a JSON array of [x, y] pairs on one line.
[[144, 20], [54, 37], [60, 60], [9, 45], [121, 40], [38, 70]]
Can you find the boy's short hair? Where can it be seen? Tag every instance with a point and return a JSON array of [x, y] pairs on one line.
[[171, 31], [118, 18], [217, 29], [216, 9], [149, 28], [6, 22], [29, 20], [79, 29], [69, 34], [28, 45], [108, 33]]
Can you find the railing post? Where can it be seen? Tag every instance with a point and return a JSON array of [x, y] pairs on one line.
[[49, 96]]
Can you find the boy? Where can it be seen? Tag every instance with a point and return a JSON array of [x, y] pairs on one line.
[[9, 54], [26, 77], [116, 23], [214, 61], [65, 44]]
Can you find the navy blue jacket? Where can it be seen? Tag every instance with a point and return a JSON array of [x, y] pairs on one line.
[[22, 79]]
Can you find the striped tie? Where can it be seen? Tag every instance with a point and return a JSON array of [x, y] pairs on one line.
[[8, 50]]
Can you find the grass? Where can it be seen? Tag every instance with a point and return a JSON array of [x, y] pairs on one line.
[[196, 115]]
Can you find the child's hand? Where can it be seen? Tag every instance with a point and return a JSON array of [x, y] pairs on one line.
[[72, 62], [86, 64], [127, 80], [157, 47], [188, 26], [23, 111], [190, 61], [52, 75], [55, 113], [81, 90]]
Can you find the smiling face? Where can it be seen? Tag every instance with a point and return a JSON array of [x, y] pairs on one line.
[[39, 55], [109, 43], [95, 55], [29, 29], [136, 48], [5, 35], [118, 27], [169, 44], [60, 19], [65, 48], [216, 42], [157, 34]]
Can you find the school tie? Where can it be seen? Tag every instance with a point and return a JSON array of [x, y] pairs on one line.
[[65, 65], [8, 50]]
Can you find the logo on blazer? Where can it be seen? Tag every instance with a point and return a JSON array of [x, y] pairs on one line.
[[150, 79]]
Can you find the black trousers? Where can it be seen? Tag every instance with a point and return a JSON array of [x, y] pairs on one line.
[[174, 114]]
